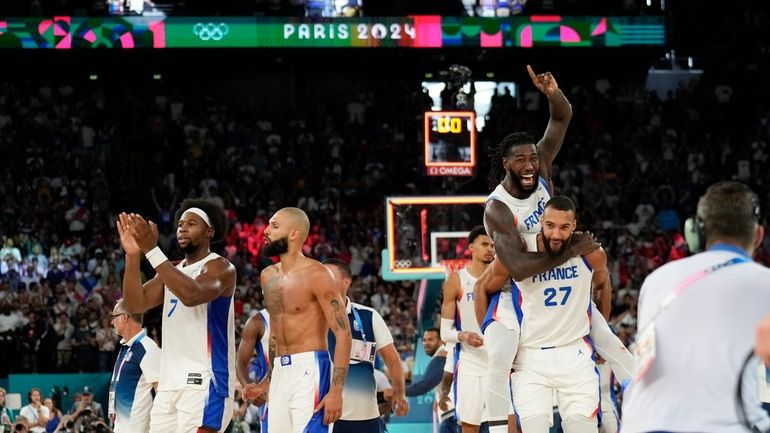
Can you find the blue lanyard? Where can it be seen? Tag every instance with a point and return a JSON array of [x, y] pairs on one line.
[[360, 323]]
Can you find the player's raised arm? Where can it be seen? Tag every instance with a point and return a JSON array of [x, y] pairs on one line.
[[510, 247], [138, 298], [561, 114]]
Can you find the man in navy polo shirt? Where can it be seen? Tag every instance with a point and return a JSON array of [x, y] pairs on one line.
[[136, 373], [360, 413]]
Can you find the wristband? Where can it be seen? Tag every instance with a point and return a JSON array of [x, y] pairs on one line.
[[155, 256], [448, 331]]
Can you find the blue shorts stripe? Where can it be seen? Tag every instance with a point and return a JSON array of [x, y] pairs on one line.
[[323, 363], [214, 409]]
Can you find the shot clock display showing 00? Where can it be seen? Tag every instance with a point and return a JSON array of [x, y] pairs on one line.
[[450, 143]]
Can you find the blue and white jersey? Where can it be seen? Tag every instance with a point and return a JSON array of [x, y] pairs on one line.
[[555, 305], [136, 369], [259, 366], [198, 342], [359, 395], [504, 305], [527, 211]]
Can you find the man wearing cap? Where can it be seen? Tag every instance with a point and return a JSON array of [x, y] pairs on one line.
[[136, 373], [84, 411], [197, 366]]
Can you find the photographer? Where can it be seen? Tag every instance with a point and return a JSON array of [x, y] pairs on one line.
[[6, 415], [35, 413], [86, 414], [21, 425]]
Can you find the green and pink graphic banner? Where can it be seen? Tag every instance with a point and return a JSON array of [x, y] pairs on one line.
[[65, 32]]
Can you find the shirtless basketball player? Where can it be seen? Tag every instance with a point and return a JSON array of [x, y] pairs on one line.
[[304, 304]]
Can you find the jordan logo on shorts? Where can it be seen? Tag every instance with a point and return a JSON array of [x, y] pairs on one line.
[[285, 360]]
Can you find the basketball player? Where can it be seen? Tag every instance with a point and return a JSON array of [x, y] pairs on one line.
[[514, 209], [554, 351], [304, 304], [255, 339], [197, 380], [459, 326]]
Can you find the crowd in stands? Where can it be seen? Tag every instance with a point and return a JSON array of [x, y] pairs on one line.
[[75, 155]]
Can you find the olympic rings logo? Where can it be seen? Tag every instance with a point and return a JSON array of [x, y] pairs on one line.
[[400, 264], [211, 31]]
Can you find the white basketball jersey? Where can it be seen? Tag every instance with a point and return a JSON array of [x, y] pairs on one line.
[[556, 305], [473, 360], [198, 349], [526, 212]]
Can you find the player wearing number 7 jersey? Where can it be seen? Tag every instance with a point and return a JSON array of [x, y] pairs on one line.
[[197, 380]]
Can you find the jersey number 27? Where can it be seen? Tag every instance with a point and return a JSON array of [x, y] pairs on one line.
[[550, 293]]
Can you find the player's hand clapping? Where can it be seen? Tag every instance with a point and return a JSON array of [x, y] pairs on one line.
[[145, 233]]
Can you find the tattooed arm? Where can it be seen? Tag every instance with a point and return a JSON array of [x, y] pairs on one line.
[[333, 307]]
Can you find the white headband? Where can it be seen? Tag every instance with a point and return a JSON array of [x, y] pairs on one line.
[[200, 212]]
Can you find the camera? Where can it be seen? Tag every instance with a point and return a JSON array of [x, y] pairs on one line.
[[100, 427], [20, 427], [456, 77]]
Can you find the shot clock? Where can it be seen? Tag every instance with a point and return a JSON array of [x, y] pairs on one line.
[[450, 143]]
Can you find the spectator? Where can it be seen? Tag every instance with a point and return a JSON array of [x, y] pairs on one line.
[[35, 412], [6, 415], [56, 416]]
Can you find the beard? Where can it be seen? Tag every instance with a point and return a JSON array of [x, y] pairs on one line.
[[525, 191], [550, 251], [189, 248], [277, 247]]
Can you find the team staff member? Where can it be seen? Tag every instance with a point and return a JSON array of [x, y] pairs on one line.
[[360, 413], [710, 304]]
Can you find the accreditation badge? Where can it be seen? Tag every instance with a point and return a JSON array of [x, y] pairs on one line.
[[644, 352]]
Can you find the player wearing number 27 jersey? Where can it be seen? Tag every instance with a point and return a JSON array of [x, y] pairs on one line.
[[555, 352]]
